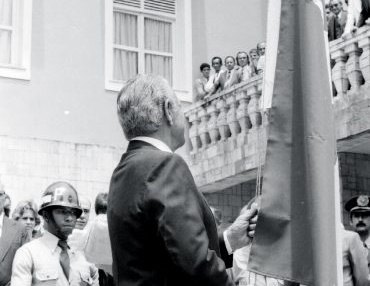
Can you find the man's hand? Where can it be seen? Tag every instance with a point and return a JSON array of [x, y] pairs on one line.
[[241, 232]]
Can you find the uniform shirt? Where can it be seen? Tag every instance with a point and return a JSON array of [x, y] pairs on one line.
[[37, 264], [355, 270]]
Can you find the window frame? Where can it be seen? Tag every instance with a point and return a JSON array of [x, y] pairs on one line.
[[20, 66], [141, 13]]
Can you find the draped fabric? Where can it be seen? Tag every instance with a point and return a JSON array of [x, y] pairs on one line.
[[159, 65], [130, 57], [158, 37], [5, 35], [125, 63]]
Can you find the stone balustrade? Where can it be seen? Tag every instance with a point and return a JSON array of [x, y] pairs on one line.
[[228, 115], [351, 63], [227, 132]]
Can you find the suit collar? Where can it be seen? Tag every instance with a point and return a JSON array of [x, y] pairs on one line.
[[7, 237], [159, 144]]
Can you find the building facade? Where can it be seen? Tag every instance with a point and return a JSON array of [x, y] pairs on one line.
[[62, 63]]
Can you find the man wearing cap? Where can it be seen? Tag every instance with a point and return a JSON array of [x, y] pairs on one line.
[[359, 211], [49, 260]]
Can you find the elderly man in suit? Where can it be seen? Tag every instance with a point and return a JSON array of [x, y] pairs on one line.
[[161, 228], [12, 236]]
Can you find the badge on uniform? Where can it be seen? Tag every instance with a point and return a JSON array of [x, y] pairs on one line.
[[363, 201]]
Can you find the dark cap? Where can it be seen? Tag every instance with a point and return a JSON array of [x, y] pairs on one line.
[[358, 203]]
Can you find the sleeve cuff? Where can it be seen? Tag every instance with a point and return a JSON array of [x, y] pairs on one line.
[[227, 243]]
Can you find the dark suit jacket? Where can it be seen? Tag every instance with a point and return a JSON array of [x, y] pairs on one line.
[[161, 229], [14, 235]]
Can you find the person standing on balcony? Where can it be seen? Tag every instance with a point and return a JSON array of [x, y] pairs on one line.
[[200, 86], [261, 49], [245, 71], [231, 76], [214, 84], [253, 55], [340, 17], [358, 15], [161, 228], [359, 212]]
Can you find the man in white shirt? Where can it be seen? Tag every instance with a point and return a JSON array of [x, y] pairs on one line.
[[49, 260]]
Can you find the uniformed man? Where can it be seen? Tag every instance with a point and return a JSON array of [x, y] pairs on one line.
[[48, 260], [359, 211]]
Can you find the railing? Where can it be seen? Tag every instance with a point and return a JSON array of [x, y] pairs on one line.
[[351, 59], [229, 114], [228, 130]]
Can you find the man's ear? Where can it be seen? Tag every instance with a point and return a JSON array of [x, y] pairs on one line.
[[168, 111]]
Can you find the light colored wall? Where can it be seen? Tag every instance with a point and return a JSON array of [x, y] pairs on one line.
[[65, 99], [28, 166], [67, 74], [224, 27]]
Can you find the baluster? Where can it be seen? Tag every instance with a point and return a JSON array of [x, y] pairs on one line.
[[212, 123], [339, 73], [223, 127], [364, 44], [254, 106], [231, 115], [193, 130], [242, 114], [353, 66], [203, 128]]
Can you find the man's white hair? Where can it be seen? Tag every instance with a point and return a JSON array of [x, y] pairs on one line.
[[140, 104]]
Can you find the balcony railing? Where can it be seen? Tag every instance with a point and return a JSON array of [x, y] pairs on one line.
[[351, 59], [227, 132], [228, 115]]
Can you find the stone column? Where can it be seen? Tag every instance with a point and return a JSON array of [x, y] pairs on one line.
[[214, 133], [222, 119], [203, 128], [339, 73], [364, 44], [231, 115], [353, 65], [242, 115], [254, 106], [193, 130]]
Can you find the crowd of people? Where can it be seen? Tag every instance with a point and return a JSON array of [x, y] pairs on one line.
[[237, 69], [55, 243], [153, 227], [344, 18]]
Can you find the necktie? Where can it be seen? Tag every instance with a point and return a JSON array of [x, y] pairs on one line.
[[64, 257], [228, 74]]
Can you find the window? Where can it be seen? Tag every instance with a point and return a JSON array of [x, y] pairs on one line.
[[15, 38], [139, 40]]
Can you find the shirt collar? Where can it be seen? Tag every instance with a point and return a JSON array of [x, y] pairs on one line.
[[51, 241], [155, 142]]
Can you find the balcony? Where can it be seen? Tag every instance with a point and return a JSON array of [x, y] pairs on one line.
[[227, 132]]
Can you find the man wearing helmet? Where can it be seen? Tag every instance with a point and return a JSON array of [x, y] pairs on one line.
[[48, 260]]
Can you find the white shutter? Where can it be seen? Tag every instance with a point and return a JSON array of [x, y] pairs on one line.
[[163, 6], [131, 3]]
